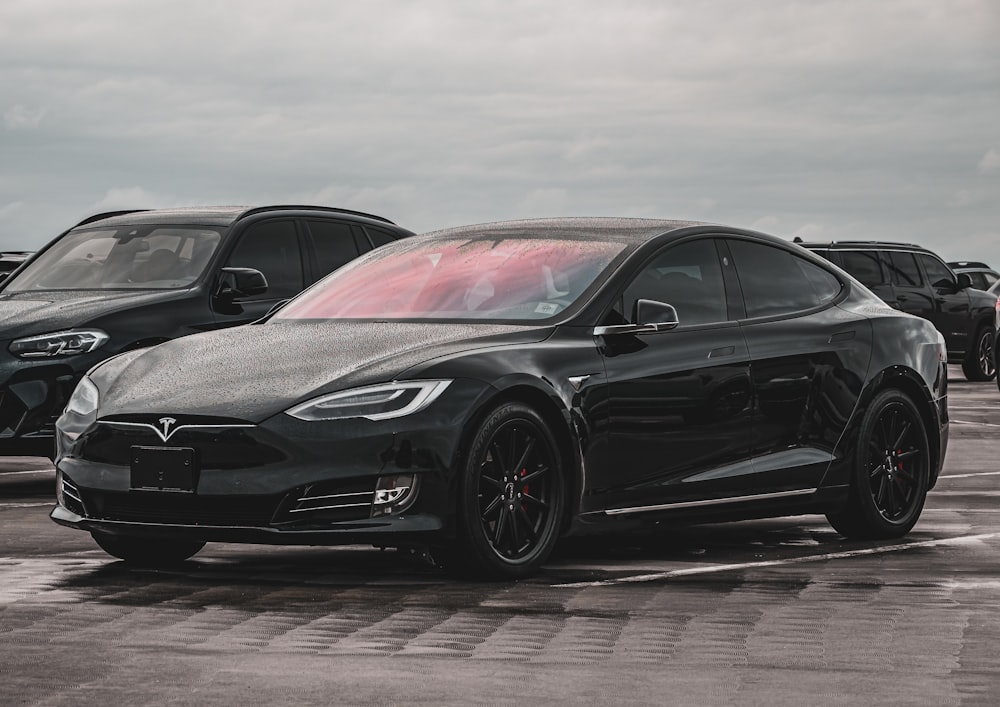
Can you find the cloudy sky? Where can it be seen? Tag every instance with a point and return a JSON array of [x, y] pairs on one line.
[[823, 119]]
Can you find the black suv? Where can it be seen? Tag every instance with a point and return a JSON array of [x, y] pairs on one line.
[[128, 279], [915, 280]]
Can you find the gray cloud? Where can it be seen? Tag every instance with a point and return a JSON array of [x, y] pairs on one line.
[[822, 119]]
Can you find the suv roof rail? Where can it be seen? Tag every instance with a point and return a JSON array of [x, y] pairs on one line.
[[106, 214], [967, 264], [869, 243], [302, 207]]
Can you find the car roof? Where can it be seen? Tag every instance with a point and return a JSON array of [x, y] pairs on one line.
[[217, 215], [631, 230]]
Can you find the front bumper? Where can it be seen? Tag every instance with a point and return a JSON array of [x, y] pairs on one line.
[[32, 395], [417, 529], [280, 481]]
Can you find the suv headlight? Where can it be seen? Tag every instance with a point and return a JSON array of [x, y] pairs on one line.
[[59, 343], [374, 402], [84, 399]]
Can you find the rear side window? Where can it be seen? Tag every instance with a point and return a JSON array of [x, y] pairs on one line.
[[904, 270], [334, 243], [864, 265], [379, 237], [777, 282]]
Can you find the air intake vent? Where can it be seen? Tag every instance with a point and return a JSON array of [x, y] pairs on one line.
[[71, 497], [328, 502]]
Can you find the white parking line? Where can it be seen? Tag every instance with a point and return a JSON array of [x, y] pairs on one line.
[[712, 569], [974, 407], [27, 505], [969, 422], [966, 476]]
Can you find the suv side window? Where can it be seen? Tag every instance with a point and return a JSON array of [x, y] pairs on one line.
[[776, 282], [904, 270], [379, 237], [687, 276], [937, 272], [273, 248], [334, 243], [864, 265]]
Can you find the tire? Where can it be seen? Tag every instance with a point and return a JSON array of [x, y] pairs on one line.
[[996, 358], [147, 552], [980, 363], [891, 470], [512, 493]]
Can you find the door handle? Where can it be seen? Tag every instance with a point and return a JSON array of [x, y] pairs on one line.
[[722, 351]]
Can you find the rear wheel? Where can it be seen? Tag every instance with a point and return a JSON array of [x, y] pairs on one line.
[[979, 364], [147, 552], [892, 465], [511, 496]]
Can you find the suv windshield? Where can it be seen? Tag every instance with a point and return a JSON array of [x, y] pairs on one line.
[[484, 278], [129, 257]]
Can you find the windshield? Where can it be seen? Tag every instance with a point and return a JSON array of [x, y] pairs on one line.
[[129, 257], [492, 279]]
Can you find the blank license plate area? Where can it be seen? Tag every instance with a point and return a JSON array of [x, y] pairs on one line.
[[163, 469]]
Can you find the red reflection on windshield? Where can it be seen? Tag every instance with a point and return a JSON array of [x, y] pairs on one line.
[[481, 279]]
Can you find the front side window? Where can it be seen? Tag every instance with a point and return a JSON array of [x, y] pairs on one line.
[[687, 276], [128, 257], [273, 248], [937, 272], [484, 278], [777, 282]]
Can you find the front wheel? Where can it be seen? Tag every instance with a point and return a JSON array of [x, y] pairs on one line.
[[892, 465], [147, 552], [979, 364], [511, 496]]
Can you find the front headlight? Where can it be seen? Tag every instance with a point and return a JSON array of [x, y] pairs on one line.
[[59, 343], [374, 402], [84, 399]]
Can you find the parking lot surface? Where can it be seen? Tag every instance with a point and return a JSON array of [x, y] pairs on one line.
[[779, 611]]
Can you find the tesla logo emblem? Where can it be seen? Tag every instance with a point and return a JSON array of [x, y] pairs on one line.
[[167, 423]]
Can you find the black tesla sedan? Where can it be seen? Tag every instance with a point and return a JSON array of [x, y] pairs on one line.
[[485, 390]]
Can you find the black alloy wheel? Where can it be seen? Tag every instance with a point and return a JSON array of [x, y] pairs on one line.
[[980, 364], [512, 496], [147, 552], [891, 472]]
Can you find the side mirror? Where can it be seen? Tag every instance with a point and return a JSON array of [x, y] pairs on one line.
[[650, 317], [659, 314], [964, 281], [240, 282]]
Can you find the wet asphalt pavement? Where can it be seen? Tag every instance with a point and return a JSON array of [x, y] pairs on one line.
[[779, 611]]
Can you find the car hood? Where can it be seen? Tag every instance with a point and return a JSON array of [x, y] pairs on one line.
[[255, 371], [29, 313]]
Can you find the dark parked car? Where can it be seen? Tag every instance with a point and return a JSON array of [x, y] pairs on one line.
[[129, 280], [11, 260], [485, 390], [995, 291], [982, 275], [915, 280]]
